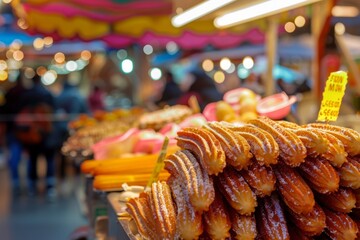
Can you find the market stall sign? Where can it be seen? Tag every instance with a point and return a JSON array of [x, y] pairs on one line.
[[332, 96]]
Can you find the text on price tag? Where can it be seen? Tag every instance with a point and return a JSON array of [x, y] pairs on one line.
[[332, 96]]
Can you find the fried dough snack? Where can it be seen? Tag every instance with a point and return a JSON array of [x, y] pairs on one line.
[[236, 191], [357, 196], [262, 145], [349, 137], [140, 211], [216, 220], [344, 200], [185, 168], [188, 222], [270, 219], [340, 226], [312, 223], [244, 227], [292, 150], [296, 194], [296, 234], [320, 175], [260, 178], [349, 174], [335, 153], [315, 143], [236, 148], [205, 147], [163, 210]]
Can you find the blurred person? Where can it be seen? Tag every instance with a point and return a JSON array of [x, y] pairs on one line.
[[253, 83], [34, 128], [171, 91], [10, 108], [96, 99], [69, 104], [202, 87]]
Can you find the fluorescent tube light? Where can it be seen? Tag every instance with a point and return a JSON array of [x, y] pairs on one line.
[[198, 11], [344, 11], [260, 10]]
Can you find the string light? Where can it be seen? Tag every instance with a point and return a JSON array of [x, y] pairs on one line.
[[85, 55], [219, 77], [59, 57], [208, 65]]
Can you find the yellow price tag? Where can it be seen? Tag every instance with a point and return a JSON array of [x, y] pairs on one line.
[[332, 96]]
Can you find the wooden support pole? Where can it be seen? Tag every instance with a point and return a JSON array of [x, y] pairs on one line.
[[271, 54]]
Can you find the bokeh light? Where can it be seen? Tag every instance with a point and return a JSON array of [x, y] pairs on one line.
[[16, 44], [208, 65], [300, 21], [155, 74], [3, 75], [248, 62], [231, 69], [148, 49], [59, 57], [121, 54], [290, 27], [29, 73], [38, 43], [48, 41], [71, 66], [49, 77], [9, 53], [85, 55], [225, 64], [6, 1], [340, 28], [3, 65], [127, 66], [219, 77], [243, 72], [172, 47], [18, 55], [22, 24], [41, 70]]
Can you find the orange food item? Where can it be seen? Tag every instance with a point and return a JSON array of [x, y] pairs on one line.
[[340, 226], [357, 196], [270, 219], [88, 166], [183, 166], [260, 178], [336, 153], [115, 182], [349, 137], [292, 150], [244, 227], [140, 211], [320, 175], [350, 174], [236, 191], [205, 147], [296, 234], [262, 145], [296, 194], [216, 220], [236, 148], [344, 200], [312, 223], [163, 210], [188, 222]]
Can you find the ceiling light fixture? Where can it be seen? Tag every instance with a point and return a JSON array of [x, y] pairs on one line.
[[198, 11], [260, 10]]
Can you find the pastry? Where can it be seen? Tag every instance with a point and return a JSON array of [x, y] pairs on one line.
[[349, 137], [292, 150], [349, 174], [312, 223], [243, 227], [199, 186], [236, 191], [336, 153], [163, 210], [207, 149], [188, 222], [343, 200], [217, 221], [296, 194], [296, 234], [320, 175], [270, 219], [236, 148], [340, 226], [140, 211], [260, 178], [262, 145]]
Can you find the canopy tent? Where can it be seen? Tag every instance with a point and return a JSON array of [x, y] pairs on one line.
[[122, 23]]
